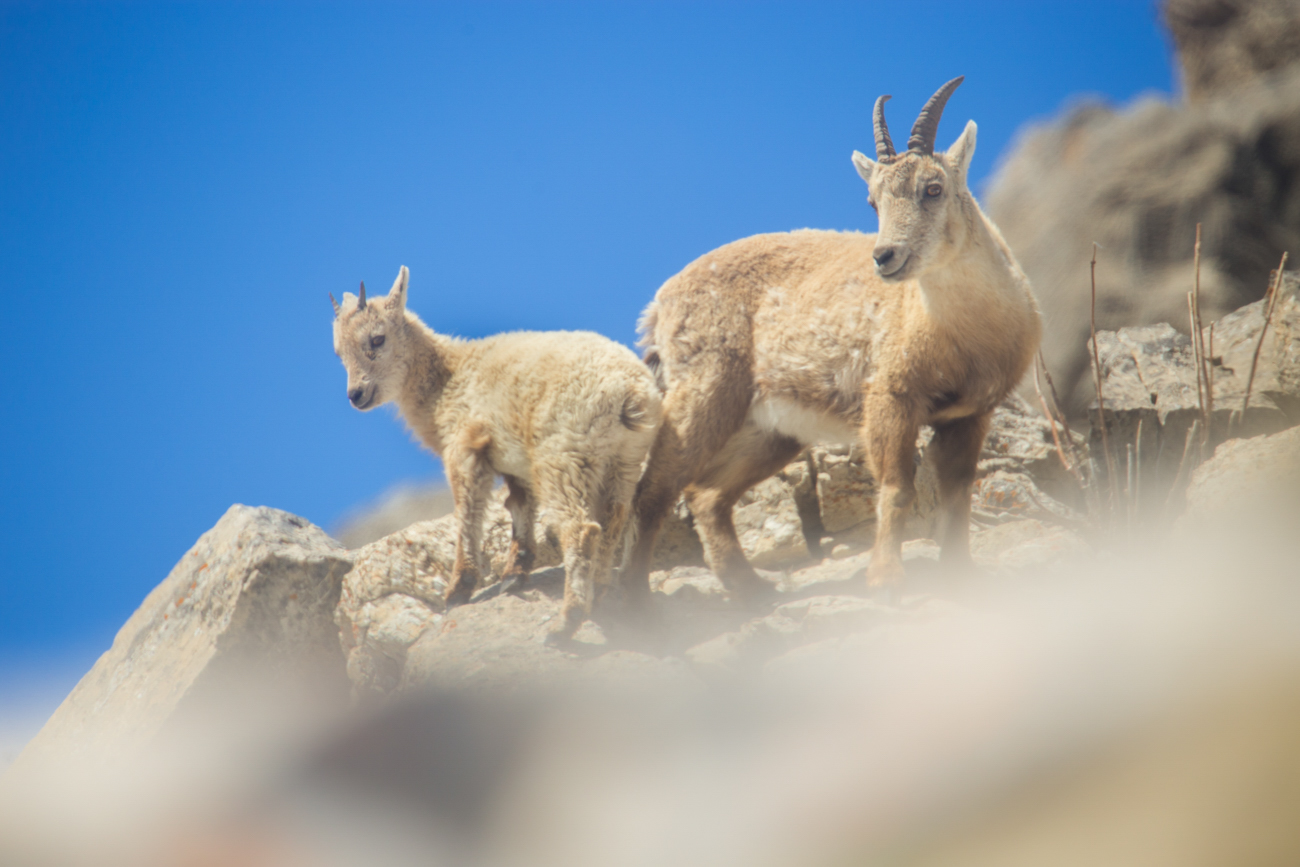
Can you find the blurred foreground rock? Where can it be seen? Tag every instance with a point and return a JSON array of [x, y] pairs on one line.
[[249, 609], [1247, 480]]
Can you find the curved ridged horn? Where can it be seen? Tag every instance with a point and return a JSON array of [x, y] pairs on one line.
[[927, 122], [361, 304], [336, 306], [884, 147]]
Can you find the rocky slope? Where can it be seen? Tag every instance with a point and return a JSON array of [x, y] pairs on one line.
[[276, 678]]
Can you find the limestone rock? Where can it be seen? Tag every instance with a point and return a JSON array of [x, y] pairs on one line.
[[1020, 545], [1246, 482], [846, 492], [501, 643], [795, 623], [490, 643], [255, 596], [1149, 383], [769, 525], [396, 589]]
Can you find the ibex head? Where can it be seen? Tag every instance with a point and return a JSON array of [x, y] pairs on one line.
[[369, 336], [917, 193]]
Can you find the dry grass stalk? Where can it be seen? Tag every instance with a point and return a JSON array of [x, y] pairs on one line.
[[1196, 359], [1070, 465], [1096, 371], [1270, 302], [1056, 407], [1137, 475], [1192, 436], [1198, 343]]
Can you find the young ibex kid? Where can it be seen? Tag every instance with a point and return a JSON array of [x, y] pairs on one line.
[[565, 417], [777, 341]]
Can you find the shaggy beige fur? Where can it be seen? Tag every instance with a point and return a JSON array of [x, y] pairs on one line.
[[778, 341], [565, 417]]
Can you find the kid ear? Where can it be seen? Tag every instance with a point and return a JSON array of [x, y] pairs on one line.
[[865, 165], [397, 295]]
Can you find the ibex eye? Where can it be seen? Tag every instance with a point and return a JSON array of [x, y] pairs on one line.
[[933, 190], [377, 341]]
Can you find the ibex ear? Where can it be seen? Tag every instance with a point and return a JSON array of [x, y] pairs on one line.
[[865, 165], [349, 298], [963, 149], [397, 295]]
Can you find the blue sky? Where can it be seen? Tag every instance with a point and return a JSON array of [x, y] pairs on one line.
[[183, 183]]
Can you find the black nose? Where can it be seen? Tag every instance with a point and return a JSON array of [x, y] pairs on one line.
[[355, 396], [882, 255]]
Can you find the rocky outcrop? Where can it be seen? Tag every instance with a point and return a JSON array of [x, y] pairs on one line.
[[1149, 382], [252, 602], [1137, 181]]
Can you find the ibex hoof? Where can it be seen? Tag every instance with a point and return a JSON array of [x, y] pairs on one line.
[[562, 633], [460, 594], [559, 639]]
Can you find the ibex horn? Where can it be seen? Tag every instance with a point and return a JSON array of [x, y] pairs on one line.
[[927, 122], [336, 305], [884, 147], [361, 305]]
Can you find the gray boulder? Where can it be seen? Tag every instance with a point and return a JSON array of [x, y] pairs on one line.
[[251, 603]]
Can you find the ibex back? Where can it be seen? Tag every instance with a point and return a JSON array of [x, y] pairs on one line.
[[779, 341]]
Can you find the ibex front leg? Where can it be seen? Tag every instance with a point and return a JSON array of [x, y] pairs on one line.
[[889, 434], [957, 446], [470, 476]]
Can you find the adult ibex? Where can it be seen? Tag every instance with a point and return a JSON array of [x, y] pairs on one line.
[[778, 341]]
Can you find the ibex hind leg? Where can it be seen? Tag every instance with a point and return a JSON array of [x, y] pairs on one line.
[[956, 447], [700, 415], [750, 457], [522, 506], [617, 493], [570, 488]]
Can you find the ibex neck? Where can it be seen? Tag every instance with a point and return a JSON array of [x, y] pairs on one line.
[[982, 275], [433, 360]]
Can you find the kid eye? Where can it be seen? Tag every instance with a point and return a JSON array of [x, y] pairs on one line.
[[377, 341], [933, 190]]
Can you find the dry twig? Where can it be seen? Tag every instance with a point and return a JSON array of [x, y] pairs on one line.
[[1198, 343], [1070, 466], [1096, 370], [1269, 303]]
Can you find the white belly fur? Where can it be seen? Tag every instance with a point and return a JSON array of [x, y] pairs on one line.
[[807, 425]]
